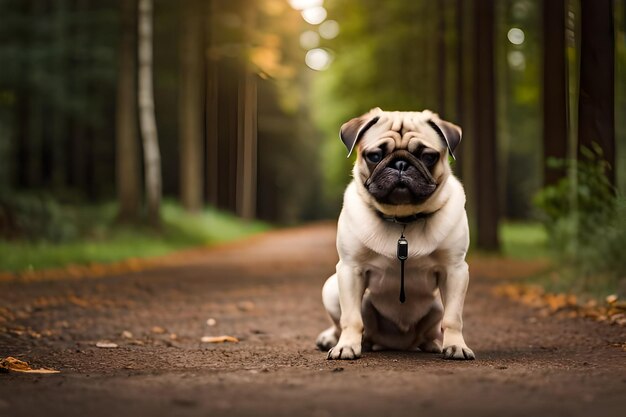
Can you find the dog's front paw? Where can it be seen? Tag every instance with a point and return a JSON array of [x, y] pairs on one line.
[[345, 352], [454, 346], [458, 352]]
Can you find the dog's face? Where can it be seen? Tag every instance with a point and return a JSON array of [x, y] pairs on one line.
[[402, 156]]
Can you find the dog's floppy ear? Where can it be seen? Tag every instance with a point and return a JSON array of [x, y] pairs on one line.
[[449, 132], [353, 130]]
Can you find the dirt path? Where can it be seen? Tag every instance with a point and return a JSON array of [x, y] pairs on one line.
[[266, 292]]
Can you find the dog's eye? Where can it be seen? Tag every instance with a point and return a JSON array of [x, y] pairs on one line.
[[374, 157], [429, 159]]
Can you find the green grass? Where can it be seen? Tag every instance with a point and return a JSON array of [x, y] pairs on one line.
[[103, 241], [518, 240], [523, 240]]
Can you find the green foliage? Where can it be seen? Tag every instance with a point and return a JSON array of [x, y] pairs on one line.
[[100, 239], [586, 224], [382, 59], [34, 217]]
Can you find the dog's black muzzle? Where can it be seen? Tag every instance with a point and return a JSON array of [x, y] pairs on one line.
[[401, 178]]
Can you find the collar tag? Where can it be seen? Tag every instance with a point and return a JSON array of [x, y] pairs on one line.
[[403, 254]]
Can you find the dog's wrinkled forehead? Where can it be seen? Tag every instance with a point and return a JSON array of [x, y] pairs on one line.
[[403, 130]]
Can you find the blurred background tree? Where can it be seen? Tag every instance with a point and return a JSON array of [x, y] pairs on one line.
[[249, 96]]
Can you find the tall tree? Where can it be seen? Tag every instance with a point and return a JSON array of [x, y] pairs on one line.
[[462, 168], [554, 88], [441, 56], [127, 158], [58, 128], [211, 108], [596, 117], [151, 152], [487, 210], [247, 145], [247, 126], [190, 104]]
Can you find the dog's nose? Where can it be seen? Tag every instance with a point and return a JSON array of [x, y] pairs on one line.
[[401, 165]]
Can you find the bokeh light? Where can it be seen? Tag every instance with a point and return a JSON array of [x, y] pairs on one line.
[[305, 4], [517, 60], [516, 36], [318, 59], [309, 39], [314, 15], [329, 29]]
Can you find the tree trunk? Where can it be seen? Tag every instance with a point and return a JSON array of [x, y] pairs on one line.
[[487, 216], [247, 146], [58, 128], [35, 112], [211, 112], [441, 58], [554, 88], [127, 163], [212, 138], [596, 117], [151, 152], [190, 105], [247, 129]]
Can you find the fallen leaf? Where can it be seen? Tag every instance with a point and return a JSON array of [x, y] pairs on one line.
[[106, 345], [127, 335], [211, 322], [620, 304], [11, 364], [611, 298], [245, 305], [34, 334], [77, 301], [158, 330], [219, 339]]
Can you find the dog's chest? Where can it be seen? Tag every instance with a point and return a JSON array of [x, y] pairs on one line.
[[383, 286], [420, 277]]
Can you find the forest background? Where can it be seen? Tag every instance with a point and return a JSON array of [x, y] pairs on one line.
[[133, 128]]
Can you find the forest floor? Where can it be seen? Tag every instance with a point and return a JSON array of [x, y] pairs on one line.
[[265, 291]]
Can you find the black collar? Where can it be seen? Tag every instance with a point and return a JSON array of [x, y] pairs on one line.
[[405, 219]]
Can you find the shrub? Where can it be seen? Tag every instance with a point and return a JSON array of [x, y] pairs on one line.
[[34, 217], [586, 224]]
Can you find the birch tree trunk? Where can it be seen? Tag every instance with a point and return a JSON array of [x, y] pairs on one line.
[[147, 122], [190, 105], [126, 151]]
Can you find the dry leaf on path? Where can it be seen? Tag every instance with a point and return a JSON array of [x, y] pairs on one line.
[[157, 330], [219, 339], [106, 345], [245, 305], [11, 364]]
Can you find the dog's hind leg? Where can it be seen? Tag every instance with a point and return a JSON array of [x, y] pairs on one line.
[[429, 330], [330, 298]]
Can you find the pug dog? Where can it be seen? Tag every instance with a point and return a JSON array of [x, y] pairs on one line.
[[402, 238]]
